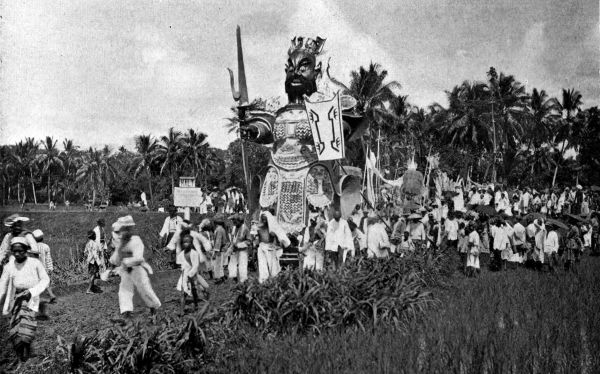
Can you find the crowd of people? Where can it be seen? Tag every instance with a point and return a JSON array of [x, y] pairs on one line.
[[485, 227]]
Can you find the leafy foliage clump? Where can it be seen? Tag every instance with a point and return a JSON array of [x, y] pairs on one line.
[[167, 347], [365, 292]]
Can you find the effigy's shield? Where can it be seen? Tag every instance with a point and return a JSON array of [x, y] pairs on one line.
[[325, 118]]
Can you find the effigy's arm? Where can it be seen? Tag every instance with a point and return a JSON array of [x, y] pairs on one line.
[[257, 126]]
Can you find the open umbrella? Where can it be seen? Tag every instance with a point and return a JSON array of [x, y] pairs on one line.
[[558, 224], [535, 215], [576, 218], [595, 188], [488, 210]]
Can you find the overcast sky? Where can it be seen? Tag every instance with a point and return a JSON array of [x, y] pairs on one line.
[[100, 72]]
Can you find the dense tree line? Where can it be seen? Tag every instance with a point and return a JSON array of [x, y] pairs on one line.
[[490, 129]]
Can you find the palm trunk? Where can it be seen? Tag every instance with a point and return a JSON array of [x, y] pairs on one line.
[[150, 184], [32, 186], [172, 185], [49, 188], [556, 168], [555, 172], [18, 192], [93, 197]]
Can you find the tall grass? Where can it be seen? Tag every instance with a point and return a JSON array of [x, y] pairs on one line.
[[169, 346], [510, 322], [364, 293]]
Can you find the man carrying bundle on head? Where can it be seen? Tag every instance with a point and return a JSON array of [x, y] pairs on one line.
[[271, 238], [22, 282], [131, 266]]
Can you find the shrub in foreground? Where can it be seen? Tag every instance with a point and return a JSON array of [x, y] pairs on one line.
[[170, 346], [364, 292]]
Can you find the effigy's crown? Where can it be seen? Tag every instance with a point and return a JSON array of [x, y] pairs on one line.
[[309, 45]]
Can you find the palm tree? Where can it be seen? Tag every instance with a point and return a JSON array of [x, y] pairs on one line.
[[509, 106], [50, 159], [146, 147], [568, 130], [31, 149], [196, 153], [464, 123], [90, 171], [169, 154], [542, 115], [70, 156], [6, 171], [372, 94]]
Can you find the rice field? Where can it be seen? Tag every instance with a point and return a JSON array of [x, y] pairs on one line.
[[517, 321], [510, 322]]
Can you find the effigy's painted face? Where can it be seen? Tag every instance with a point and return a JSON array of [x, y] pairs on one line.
[[301, 75]]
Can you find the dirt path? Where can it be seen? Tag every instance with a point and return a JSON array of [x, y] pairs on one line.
[[76, 312]]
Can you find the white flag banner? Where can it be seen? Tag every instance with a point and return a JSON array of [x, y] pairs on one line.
[[325, 118]]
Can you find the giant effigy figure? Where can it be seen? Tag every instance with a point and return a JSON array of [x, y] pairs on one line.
[[295, 179]]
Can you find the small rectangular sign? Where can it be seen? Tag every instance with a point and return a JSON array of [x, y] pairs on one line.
[[186, 196]]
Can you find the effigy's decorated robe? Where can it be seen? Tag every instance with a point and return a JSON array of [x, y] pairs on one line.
[[295, 176]]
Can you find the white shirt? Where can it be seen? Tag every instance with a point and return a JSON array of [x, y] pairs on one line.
[[136, 247], [170, 225], [459, 202], [451, 228], [338, 235], [500, 238], [475, 199], [416, 231], [377, 239], [29, 275], [518, 234], [525, 199], [487, 199], [101, 234], [474, 241], [551, 242]]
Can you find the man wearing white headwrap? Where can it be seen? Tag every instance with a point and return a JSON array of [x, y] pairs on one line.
[[131, 266], [269, 234]]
